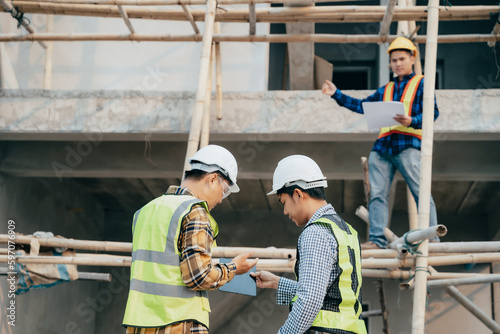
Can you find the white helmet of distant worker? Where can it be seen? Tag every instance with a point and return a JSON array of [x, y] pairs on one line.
[[298, 170], [213, 158]]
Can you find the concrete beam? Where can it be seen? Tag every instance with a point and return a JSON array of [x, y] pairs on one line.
[[339, 160], [264, 116]]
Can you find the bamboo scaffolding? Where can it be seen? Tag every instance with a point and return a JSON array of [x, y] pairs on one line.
[[126, 247], [103, 246], [190, 18], [176, 2], [82, 275], [491, 278], [420, 292], [218, 74], [320, 14], [264, 264], [275, 38], [8, 7], [205, 128], [125, 18], [495, 31], [419, 235], [387, 19], [197, 118], [476, 311]]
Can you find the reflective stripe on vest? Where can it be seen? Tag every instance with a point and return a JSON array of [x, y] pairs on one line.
[[407, 99], [157, 295], [347, 318]]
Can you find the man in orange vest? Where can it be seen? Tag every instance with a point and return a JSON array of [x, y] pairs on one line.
[[397, 147]]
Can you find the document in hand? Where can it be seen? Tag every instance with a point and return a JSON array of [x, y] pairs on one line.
[[242, 284], [381, 114]]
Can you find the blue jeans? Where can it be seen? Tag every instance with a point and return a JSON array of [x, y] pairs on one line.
[[381, 172]]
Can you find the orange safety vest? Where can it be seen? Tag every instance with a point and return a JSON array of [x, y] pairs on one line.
[[407, 99]]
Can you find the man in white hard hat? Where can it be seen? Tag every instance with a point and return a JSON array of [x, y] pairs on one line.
[[397, 147], [173, 236], [326, 296]]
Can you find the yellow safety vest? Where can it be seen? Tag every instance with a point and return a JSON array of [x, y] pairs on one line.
[[347, 318], [407, 99], [158, 296]]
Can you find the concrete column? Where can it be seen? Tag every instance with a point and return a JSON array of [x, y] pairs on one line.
[[301, 55]]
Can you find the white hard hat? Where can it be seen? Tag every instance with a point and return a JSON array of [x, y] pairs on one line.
[[298, 170], [212, 158]]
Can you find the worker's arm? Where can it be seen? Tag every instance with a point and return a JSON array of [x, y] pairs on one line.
[[318, 255], [348, 102], [418, 108], [195, 244], [286, 287]]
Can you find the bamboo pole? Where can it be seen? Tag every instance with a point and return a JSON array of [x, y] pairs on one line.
[[126, 247], [491, 278], [197, 118], [47, 71], [476, 311], [218, 74], [419, 296], [205, 129], [190, 18], [366, 179], [82, 275], [104, 246], [125, 18], [172, 2], [465, 247], [274, 38], [320, 14], [495, 32], [387, 19], [320, 38], [264, 264], [25, 23], [419, 235]]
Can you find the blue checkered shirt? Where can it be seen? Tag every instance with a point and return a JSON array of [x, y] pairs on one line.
[[317, 271], [396, 142]]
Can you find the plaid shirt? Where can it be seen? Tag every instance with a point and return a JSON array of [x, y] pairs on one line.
[[317, 249], [198, 273], [396, 142]]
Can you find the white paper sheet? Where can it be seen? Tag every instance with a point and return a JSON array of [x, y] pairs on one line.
[[381, 114]]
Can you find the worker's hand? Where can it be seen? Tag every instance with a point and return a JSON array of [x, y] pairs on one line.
[[404, 120], [328, 88], [265, 279], [243, 265]]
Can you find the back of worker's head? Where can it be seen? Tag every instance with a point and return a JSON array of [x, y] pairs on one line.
[[299, 172], [214, 159], [402, 44]]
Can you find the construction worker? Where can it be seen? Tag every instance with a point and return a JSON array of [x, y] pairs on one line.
[[326, 296], [173, 236], [397, 147]]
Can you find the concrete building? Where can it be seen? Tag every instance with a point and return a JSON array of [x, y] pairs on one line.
[[111, 135]]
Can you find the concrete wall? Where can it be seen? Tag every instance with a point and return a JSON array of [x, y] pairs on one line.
[[59, 207], [164, 66]]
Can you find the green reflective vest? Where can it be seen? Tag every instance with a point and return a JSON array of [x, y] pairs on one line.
[[346, 316], [158, 296]]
